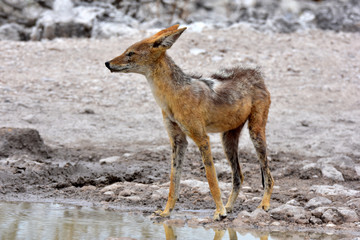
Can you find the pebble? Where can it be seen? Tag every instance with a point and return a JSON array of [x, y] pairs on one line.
[[110, 160], [125, 193], [317, 202], [286, 211], [331, 215], [197, 51], [331, 172], [88, 188], [334, 190], [293, 202], [111, 187], [111, 193], [315, 220]]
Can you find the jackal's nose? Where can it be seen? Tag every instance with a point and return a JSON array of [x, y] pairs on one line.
[[107, 64]]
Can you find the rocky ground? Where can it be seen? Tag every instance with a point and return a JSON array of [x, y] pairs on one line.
[[39, 19], [100, 140]]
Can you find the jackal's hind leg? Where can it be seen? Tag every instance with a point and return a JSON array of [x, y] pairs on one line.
[[257, 122], [230, 141], [178, 144]]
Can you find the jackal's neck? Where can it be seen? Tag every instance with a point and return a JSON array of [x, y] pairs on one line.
[[166, 72]]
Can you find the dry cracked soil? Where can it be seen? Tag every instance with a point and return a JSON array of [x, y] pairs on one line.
[[73, 132]]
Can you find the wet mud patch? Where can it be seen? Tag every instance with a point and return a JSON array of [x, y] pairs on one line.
[[140, 181]]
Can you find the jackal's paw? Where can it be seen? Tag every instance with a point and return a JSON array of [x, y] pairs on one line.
[[219, 215], [265, 207], [229, 209], [160, 213]]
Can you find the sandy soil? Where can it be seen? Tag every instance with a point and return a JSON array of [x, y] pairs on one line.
[[84, 113]]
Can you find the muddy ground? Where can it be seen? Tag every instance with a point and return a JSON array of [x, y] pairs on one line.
[[85, 114]]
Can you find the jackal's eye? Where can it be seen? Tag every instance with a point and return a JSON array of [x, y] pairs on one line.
[[129, 54]]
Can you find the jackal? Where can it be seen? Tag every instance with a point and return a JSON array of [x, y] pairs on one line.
[[194, 106]]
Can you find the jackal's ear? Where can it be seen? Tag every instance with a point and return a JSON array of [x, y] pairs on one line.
[[167, 39], [169, 29]]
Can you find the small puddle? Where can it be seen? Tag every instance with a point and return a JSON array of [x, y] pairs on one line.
[[23, 220]]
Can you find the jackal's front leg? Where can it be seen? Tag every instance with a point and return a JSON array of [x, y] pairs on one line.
[[204, 145], [178, 144]]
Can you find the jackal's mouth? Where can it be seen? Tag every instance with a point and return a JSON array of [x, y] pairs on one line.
[[119, 69], [116, 68]]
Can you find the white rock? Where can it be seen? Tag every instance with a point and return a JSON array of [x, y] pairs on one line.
[[161, 193], [109, 193], [309, 166], [334, 190], [10, 32], [110, 160], [357, 169], [289, 211], [197, 51], [222, 169], [354, 203], [331, 215], [293, 202], [348, 214], [201, 187], [331, 172], [341, 161], [317, 201], [112, 187], [216, 58], [110, 29]]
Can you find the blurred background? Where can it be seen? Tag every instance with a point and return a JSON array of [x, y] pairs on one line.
[[25, 20]]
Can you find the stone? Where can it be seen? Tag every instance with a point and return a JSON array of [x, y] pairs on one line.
[[242, 217], [88, 188], [30, 119], [111, 193], [295, 213], [331, 215], [357, 169], [293, 202], [334, 190], [110, 160], [104, 30], [317, 202], [11, 31], [315, 220], [199, 186], [348, 214], [22, 141], [341, 161], [120, 238], [319, 211], [331, 172], [197, 51], [134, 198], [222, 169], [354, 203], [113, 187], [161, 193], [259, 215], [65, 21], [125, 193]]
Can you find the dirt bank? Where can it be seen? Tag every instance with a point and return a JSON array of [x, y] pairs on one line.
[[84, 114]]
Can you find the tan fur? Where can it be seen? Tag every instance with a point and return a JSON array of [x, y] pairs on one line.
[[194, 106]]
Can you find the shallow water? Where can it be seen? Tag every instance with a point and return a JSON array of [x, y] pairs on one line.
[[22, 220]]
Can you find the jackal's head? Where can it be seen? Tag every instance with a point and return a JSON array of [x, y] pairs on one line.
[[141, 56]]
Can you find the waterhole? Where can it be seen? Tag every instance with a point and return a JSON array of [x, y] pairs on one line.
[[27, 221]]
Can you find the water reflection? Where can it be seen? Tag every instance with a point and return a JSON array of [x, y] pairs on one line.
[[55, 221]]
